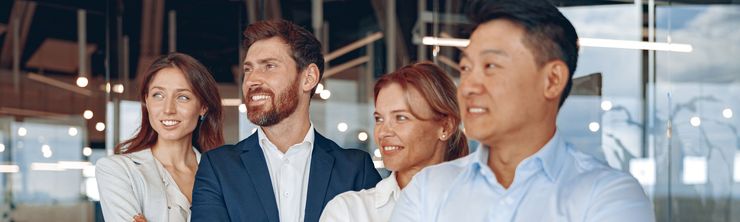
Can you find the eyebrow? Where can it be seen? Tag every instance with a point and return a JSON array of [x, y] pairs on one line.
[[487, 51], [176, 90], [395, 111], [262, 61], [494, 51]]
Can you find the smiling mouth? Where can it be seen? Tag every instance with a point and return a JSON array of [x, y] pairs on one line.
[[169, 122], [259, 97], [477, 110], [391, 149]]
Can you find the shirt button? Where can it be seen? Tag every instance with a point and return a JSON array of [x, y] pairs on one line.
[[168, 207], [285, 194]]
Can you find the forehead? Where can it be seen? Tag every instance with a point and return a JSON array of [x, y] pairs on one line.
[[170, 77], [393, 97], [496, 35], [271, 48]]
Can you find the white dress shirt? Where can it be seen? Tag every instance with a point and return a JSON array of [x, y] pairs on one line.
[[289, 173], [371, 205], [137, 182], [557, 183]]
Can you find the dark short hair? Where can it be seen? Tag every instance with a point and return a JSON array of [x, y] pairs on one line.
[[548, 34], [305, 48]]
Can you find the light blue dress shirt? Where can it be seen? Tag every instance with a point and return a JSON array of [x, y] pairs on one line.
[[557, 183]]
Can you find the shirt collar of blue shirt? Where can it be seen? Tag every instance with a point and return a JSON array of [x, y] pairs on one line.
[[549, 158]]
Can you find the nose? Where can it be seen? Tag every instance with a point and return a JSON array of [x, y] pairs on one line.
[[252, 80], [170, 106], [470, 85], [384, 130]]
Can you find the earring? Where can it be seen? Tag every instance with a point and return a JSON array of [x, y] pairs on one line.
[[203, 117], [443, 136]]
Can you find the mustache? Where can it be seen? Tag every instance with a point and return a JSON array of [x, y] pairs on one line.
[[259, 90]]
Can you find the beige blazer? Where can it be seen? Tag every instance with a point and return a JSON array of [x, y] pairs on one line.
[[135, 183]]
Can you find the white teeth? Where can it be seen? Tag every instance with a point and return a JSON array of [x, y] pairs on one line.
[[260, 97], [477, 110], [170, 122], [389, 148]]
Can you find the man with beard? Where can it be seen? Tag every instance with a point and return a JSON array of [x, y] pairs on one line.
[[286, 171]]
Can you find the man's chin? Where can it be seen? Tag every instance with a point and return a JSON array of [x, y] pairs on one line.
[[262, 119]]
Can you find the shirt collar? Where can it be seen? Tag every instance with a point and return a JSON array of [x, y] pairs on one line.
[[197, 155], [549, 157], [266, 143], [386, 190]]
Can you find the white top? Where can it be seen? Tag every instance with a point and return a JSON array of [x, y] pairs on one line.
[[135, 183], [289, 174], [371, 205]]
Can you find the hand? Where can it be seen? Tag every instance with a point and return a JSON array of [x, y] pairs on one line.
[[139, 218]]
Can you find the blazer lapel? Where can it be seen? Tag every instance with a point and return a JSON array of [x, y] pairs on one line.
[[155, 190], [318, 180], [254, 161]]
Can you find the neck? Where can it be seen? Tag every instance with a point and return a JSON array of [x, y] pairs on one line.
[[403, 177], [290, 130], [174, 152], [506, 154]]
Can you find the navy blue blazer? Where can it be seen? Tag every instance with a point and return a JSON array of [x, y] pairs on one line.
[[233, 183]]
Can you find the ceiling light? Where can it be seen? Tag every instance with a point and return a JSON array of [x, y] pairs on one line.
[[100, 126], [594, 126], [325, 94], [87, 151], [585, 42], [606, 105], [87, 114], [72, 131], [82, 81], [22, 131], [362, 136], [342, 127]]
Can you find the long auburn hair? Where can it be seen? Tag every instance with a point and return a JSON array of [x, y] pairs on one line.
[[439, 91], [207, 134]]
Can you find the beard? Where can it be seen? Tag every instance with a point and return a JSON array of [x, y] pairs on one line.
[[280, 107]]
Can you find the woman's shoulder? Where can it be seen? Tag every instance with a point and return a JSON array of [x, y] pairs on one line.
[[121, 162]]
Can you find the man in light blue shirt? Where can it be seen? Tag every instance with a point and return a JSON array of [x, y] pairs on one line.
[[515, 74]]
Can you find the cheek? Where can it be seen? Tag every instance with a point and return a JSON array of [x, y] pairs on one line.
[[376, 135], [152, 109], [417, 134], [189, 110]]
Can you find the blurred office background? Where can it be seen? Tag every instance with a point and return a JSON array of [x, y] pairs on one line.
[[656, 89]]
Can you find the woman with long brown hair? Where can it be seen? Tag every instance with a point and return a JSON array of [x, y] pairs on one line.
[[416, 125], [152, 175]]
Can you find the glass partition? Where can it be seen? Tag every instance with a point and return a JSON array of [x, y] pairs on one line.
[[665, 112]]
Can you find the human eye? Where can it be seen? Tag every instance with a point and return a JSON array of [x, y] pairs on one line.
[[464, 69], [158, 95], [183, 98], [378, 119], [401, 118], [490, 67]]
